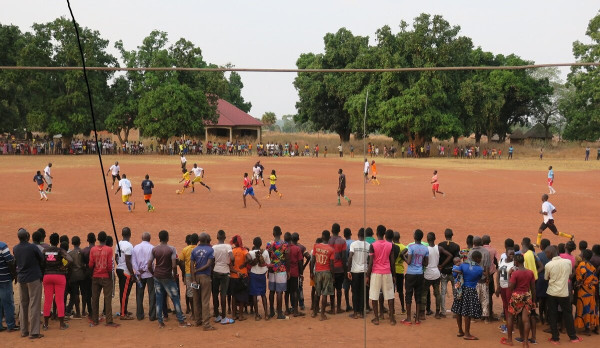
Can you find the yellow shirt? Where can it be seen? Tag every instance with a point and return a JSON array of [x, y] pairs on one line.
[[273, 179], [186, 175], [530, 263], [186, 256], [399, 260]]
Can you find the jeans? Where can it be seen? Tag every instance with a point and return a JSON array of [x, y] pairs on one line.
[[105, 285], [444, 279], [139, 298], [358, 292], [436, 292], [31, 304], [167, 287], [7, 304], [565, 304]]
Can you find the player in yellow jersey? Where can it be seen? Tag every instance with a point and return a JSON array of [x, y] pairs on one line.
[[273, 187], [186, 181]]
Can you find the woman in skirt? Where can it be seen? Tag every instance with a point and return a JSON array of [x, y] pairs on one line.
[[522, 302], [468, 305], [239, 278], [259, 259]]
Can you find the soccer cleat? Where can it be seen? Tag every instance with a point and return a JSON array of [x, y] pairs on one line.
[[268, 196], [41, 198]]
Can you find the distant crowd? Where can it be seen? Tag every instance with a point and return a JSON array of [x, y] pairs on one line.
[[224, 282]]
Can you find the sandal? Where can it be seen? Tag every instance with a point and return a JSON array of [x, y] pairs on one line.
[[375, 321], [470, 338], [505, 341], [406, 322], [227, 321], [64, 327]]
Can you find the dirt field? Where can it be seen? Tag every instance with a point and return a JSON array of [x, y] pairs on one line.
[[499, 198]]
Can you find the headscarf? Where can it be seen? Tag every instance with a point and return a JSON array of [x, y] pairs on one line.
[[237, 240]]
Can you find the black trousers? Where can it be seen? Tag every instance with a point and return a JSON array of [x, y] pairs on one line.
[[86, 296], [358, 294], [552, 303], [139, 299], [125, 285]]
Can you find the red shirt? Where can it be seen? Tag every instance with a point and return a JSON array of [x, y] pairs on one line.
[[339, 246], [295, 256], [101, 260], [522, 280], [247, 183], [323, 255]]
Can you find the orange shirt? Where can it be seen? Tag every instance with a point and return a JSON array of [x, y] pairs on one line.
[[239, 262], [373, 169]]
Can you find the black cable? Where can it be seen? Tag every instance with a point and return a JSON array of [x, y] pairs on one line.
[[99, 150]]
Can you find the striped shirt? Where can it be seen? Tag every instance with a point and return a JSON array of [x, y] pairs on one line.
[[5, 259]]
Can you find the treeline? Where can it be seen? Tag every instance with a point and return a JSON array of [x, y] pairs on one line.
[[160, 103], [417, 106]]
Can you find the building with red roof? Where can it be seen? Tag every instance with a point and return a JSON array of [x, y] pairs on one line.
[[233, 124]]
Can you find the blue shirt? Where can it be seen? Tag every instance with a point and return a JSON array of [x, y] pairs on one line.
[[454, 274], [5, 259], [551, 174], [200, 256], [147, 186], [510, 149], [348, 242], [471, 274], [418, 252]]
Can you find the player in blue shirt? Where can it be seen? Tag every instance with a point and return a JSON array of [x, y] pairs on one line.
[[147, 186], [551, 180], [39, 180]]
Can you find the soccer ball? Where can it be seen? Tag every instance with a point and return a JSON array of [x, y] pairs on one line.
[[177, 191]]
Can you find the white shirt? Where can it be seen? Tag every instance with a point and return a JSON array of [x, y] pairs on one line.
[[222, 255], [47, 170], [125, 186], [367, 167], [360, 250], [503, 269], [256, 170], [256, 269], [115, 169], [197, 171], [547, 207], [183, 160], [432, 271], [126, 249]]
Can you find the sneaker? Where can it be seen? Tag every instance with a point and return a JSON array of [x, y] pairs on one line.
[[218, 319], [503, 328]]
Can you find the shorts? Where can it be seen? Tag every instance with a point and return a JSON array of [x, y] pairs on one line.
[[197, 179], [338, 280], [550, 182], [435, 187], [340, 191], [278, 281], [323, 283], [381, 283], [186, 184], [220, 283], [413, 284], [189, 291], [249, 191], [125, 198], [519, 302], [118, 177], [255, 177], [549, 225], [49, 180], [41, 187], [147, 197], [258, 284], [273, 187]]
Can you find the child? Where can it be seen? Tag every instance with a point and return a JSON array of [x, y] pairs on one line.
[[458, 277], [273, 187], [186, 181]]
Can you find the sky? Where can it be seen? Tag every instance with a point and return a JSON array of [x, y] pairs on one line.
[[273, 34]]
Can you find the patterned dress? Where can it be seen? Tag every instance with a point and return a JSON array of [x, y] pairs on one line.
[[586, 314]]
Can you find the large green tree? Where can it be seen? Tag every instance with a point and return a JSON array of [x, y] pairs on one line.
[[12, 108], [581, 107]]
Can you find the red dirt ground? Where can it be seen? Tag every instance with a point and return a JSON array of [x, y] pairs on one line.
[[492, 199]]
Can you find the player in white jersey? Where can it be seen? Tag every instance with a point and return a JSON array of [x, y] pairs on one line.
[[114, 170], [257, 173], [198, 176], [48, 177]]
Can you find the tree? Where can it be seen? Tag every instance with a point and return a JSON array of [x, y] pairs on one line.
[[12, 108], [269, 119], [125, 109], [546, 108], [324, 96], [581, 107], [234, 92]]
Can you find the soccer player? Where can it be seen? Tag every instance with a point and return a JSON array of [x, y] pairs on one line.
[[273, 187], [374, 173], [39, 179], [366, 170], [186, 181], [249, 190], [551, 180], [548, 210], [48, 177], [435, 185], [198, 175], [147, 186], [342, 187], [114, 169], [125, 184], [183, 162]]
